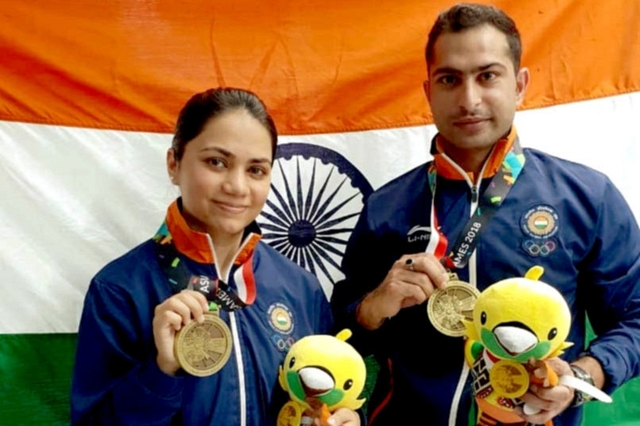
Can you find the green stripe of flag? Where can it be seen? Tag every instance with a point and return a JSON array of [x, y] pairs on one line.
[[623, 411], [35, 378]]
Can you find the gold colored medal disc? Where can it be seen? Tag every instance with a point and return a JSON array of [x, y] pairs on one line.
[[509, 378], [290, 414], [203, 348], [449, 306]]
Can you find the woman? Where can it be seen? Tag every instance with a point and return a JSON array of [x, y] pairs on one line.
[[207, 250]]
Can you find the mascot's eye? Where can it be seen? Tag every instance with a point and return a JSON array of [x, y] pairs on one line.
[[292, 362], [347, 385], [483, 318], [553, 333]]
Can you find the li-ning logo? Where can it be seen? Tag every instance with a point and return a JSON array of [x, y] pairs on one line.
[[419, 233]]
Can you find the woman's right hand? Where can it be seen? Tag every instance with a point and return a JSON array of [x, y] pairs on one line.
[[169, 317]]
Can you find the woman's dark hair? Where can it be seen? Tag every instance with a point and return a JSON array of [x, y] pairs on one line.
[[207, 105], [465, 16]]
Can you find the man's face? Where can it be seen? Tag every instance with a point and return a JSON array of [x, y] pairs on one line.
[[473, 89]]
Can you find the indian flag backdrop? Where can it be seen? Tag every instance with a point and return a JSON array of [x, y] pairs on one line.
[[88, 96]]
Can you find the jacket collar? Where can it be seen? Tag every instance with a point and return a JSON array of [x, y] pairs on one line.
[[198, 245], [493, 163]]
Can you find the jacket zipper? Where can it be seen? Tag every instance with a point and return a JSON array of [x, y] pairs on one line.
[[473, 187], [236, 344], [474, 195]]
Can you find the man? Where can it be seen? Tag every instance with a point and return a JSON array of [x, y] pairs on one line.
[[563, 216]]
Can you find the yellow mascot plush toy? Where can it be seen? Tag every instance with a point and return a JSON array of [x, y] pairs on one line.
[[518, 323], [323, 371]]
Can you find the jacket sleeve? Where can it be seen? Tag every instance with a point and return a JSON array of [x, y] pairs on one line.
[[325, 318], [368, 257], [612, 290], [116, 380]]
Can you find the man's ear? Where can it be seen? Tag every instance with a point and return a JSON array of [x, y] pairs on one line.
[[172, 166], [522, 82], [427, 90]]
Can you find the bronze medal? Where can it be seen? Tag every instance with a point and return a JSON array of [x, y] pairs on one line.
[[447, 307], [203, 349]]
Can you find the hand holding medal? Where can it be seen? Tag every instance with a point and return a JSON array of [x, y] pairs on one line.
[[203, 348], [449, 302], [188, 331], [448, 307], [410, 281], [170, 316]]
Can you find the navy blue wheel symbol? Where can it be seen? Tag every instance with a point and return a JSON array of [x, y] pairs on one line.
[[315, 200]]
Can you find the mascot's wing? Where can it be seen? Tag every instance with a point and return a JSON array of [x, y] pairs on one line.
[[282, 379], [357, 403], [472, 345], [560, 350], [470, 330]]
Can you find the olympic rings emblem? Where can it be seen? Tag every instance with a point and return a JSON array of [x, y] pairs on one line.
[[540, 248]]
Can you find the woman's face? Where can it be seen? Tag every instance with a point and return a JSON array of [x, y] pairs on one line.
[[224, 175]]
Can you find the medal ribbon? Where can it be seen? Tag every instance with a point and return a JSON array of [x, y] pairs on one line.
[[214, 289], [488, 205]]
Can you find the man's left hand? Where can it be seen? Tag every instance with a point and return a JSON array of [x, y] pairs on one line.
[[547, 401]]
